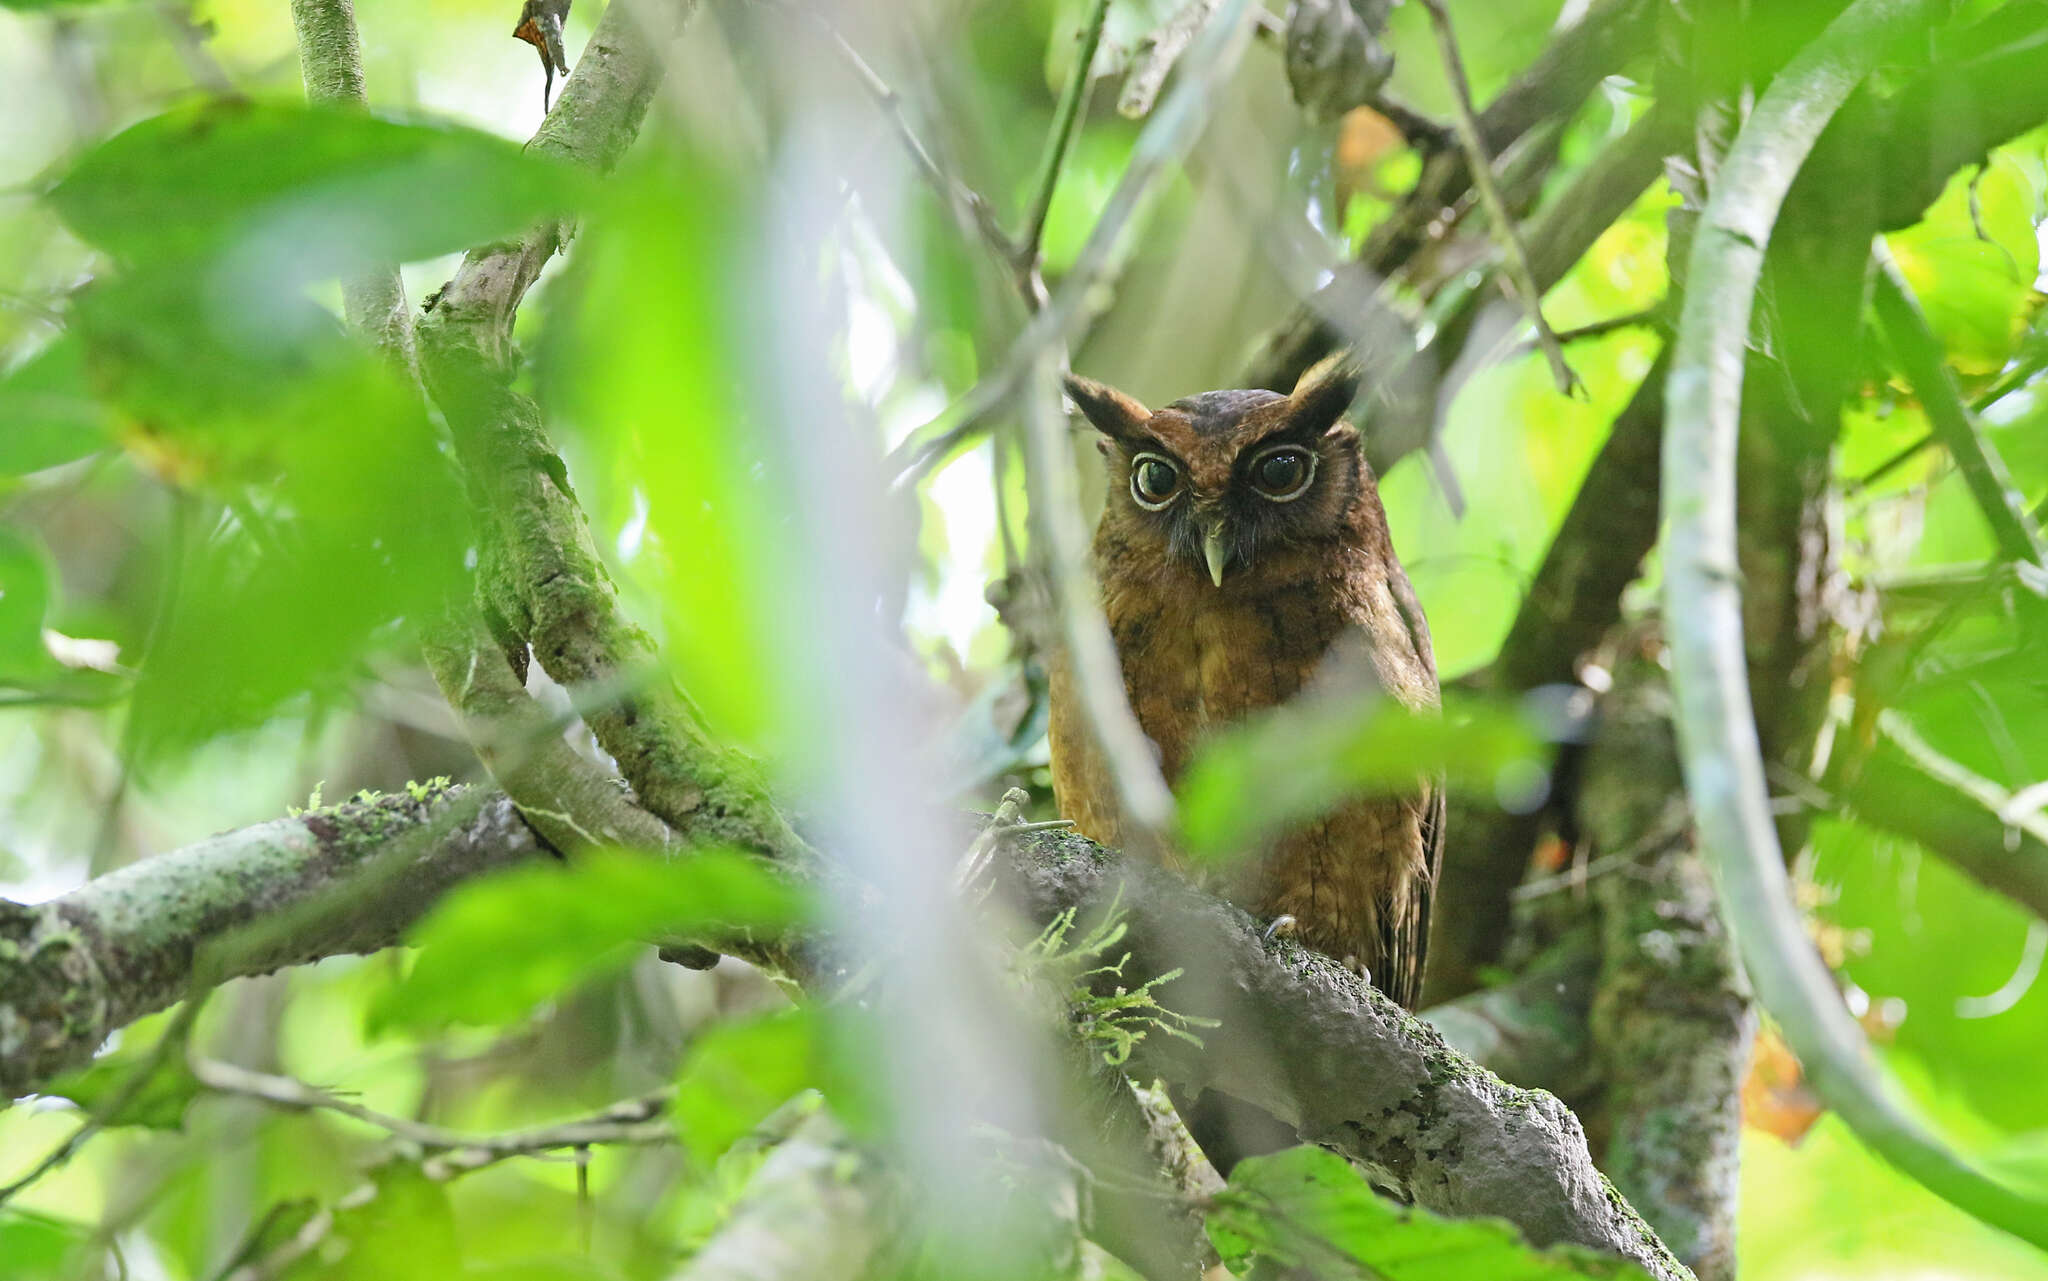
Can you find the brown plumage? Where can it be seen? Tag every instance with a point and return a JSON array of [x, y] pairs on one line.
[[1244, 556]]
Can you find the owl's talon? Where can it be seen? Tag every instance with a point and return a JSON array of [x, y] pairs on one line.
[[1282, 922]]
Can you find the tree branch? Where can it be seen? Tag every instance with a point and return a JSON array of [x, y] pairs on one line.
[[1610, 34], [1919, 354], [1572, 603], [640, 1120], [1360, 1074], [1904, 786], [331, 62], [1672, 1022], [1598, 550], [80, 967], [1716, 717], [555, 593]]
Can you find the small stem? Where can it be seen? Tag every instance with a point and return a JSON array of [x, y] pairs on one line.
[[1919, 354], [623, 1122], [1066, 115], [1519, 273], [331, 62], [1888, 466], [1165, 139], [965, 200]]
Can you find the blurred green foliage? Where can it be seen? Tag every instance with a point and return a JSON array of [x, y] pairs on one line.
[[1297, 761], [222, 519], [1306, 1207], [546, 929]]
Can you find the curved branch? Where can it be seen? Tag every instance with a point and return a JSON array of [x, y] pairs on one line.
[[1722, 756], [1359, 1074], [556, 594]]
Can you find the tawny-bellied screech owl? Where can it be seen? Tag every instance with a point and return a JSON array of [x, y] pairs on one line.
[[1243, 554]]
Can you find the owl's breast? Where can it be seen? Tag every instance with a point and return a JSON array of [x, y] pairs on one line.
[[1197, 661]]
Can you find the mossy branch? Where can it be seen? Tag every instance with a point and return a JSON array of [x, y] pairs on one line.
[[1300, 1036]]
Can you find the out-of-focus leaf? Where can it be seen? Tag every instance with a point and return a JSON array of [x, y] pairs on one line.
[[284, 194], [1307, 1207], [51, 417], [24, 599], [498, 948], [346, 522], [1472, 572], [1300, 760], [1972, 261], [562, 1267], [158, 1105], [1775, 1096], [1976, 1021], [37, 1247], [404, 1232], [655, 364], [738, 1073]]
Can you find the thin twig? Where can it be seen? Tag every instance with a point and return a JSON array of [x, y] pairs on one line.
[[1157, 54], [1467, 123], [1887, 467], [2022, 372], [1919, 354], [100, 1117], [1655, 314], [965, 200], [1165, 138], [1066, 116], [638, 1120]]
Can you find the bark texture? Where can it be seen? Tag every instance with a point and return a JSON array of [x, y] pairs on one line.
[[1357, 1072], [78, 968]]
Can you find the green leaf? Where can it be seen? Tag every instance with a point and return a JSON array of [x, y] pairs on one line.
[[655, 362], [737, 1073], [284, 194], [40, 1248], [406, 1230], [496, 949], [50, 415], [1301, 760], [158, 1105], [1972, 261], [1307, 1207], [24, 599], [346, 521]]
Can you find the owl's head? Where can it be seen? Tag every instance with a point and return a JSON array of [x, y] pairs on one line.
[[1223, 476]]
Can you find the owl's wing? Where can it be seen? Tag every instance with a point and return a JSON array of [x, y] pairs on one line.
[[1406, 934]]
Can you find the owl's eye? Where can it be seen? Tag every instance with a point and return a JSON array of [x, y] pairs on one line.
[[1283, 472], [1154, 481]]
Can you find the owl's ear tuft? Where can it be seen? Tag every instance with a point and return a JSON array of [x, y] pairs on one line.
[[1323, 395], [1112, 413]]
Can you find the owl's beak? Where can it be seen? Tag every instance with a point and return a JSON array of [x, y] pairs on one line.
[[1215, 553]]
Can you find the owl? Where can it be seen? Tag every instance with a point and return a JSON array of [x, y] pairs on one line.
[[1244, 557]]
